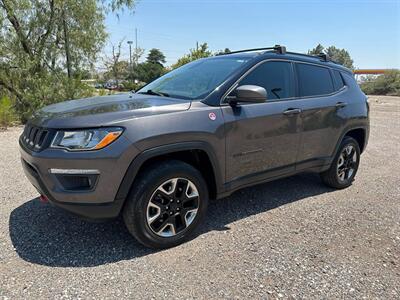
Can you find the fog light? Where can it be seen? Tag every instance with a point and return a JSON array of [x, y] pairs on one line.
[[77, 182]]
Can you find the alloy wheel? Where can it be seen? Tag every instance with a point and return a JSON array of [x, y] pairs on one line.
[[172, 207], [347, 163]]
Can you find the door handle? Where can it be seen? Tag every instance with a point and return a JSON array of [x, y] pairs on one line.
[[341, 104], [292, 111]]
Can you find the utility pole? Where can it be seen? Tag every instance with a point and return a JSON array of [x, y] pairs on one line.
[[130, 60], [197, 46]]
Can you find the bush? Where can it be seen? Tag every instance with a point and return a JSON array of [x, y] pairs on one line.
[[386, 84], [131, 86], [45, 90], [6, 112]]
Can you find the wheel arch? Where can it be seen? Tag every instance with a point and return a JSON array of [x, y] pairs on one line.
[[198, 154], [359, 133]]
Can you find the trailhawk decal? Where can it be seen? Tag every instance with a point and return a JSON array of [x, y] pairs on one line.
[[212, 116]]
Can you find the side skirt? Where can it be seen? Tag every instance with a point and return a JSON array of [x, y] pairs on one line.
[[314, 166]]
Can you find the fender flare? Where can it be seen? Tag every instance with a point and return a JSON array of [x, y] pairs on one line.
[[139, 160], [347, 130]]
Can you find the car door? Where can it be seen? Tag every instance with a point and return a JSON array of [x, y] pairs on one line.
[[322, 102], [262, 139]]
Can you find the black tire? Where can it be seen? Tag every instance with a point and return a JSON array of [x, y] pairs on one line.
[[147, 185], [331, 176]]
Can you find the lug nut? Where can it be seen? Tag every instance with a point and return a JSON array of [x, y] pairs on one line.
[[178, 201], [177, 209], [171, 200], [171, 213], [167, 207]]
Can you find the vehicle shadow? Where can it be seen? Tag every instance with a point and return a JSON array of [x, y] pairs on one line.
[[45, 235]]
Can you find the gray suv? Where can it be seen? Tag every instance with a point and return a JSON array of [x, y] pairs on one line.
[[199, 132]]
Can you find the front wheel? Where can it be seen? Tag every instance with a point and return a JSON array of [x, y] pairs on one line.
[[344, 166], [167, 203]]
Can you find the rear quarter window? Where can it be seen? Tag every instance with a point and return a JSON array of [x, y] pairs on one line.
[[350, 81], [313, 80], [338, 80]]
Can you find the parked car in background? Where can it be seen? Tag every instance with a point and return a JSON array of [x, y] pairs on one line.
[[113, 85]]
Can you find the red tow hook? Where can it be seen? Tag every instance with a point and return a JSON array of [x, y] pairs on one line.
[[43, 199]]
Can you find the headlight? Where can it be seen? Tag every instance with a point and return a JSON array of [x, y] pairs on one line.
[[90, 139]]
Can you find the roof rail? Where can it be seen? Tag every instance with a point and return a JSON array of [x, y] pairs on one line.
[[278, 48], [282, 50], [321, 56]]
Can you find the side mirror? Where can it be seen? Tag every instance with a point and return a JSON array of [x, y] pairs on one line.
[[249, 93]]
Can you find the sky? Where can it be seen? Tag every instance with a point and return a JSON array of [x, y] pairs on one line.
[[369, 30]]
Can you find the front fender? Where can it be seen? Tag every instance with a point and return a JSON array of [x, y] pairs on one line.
[[144, 156]]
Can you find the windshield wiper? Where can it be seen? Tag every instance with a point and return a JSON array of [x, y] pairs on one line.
[[151, 92]]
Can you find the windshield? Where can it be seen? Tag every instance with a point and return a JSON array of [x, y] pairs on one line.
[[194, 80]]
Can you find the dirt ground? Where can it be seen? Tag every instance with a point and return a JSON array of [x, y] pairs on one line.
[[293, 238]]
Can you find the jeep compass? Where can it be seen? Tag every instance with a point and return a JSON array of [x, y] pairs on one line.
[[200, 132]]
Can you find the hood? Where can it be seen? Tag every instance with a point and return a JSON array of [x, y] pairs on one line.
[[105, 110]]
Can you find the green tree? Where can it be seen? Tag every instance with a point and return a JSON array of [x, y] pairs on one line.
[[147, 71], [341, 56], [317, 50], [194, 54], [152, 68], [156, 56], [225, 51], [43, 46]]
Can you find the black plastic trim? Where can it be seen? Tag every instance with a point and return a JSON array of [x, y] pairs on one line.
[[135, 165], [90, 211]]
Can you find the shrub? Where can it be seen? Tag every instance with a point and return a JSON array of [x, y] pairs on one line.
[[6, 112], [386, 84]]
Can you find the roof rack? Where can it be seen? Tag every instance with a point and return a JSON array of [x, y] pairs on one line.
[[321, 56], [278, 48], [324, 56], [282, 50]]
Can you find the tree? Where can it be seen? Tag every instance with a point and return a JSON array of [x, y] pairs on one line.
[[225, 51], [317, 50], [156, 56], [116, 69], [44, 42], [194, 54], [341, 56], [137, 54], [147, 71], [152, 68]]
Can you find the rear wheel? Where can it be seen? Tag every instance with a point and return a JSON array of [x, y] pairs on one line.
[[166, 204], [344, 166]]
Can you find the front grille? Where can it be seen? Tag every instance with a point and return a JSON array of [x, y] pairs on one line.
[[35, 138]]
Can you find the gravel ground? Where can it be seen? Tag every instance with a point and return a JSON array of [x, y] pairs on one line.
[[293, 238]]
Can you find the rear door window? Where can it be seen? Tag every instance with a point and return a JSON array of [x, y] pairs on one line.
[[313, 80], [275, 76]]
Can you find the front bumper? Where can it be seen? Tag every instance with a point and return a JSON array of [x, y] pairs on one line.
[[98, 202]]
